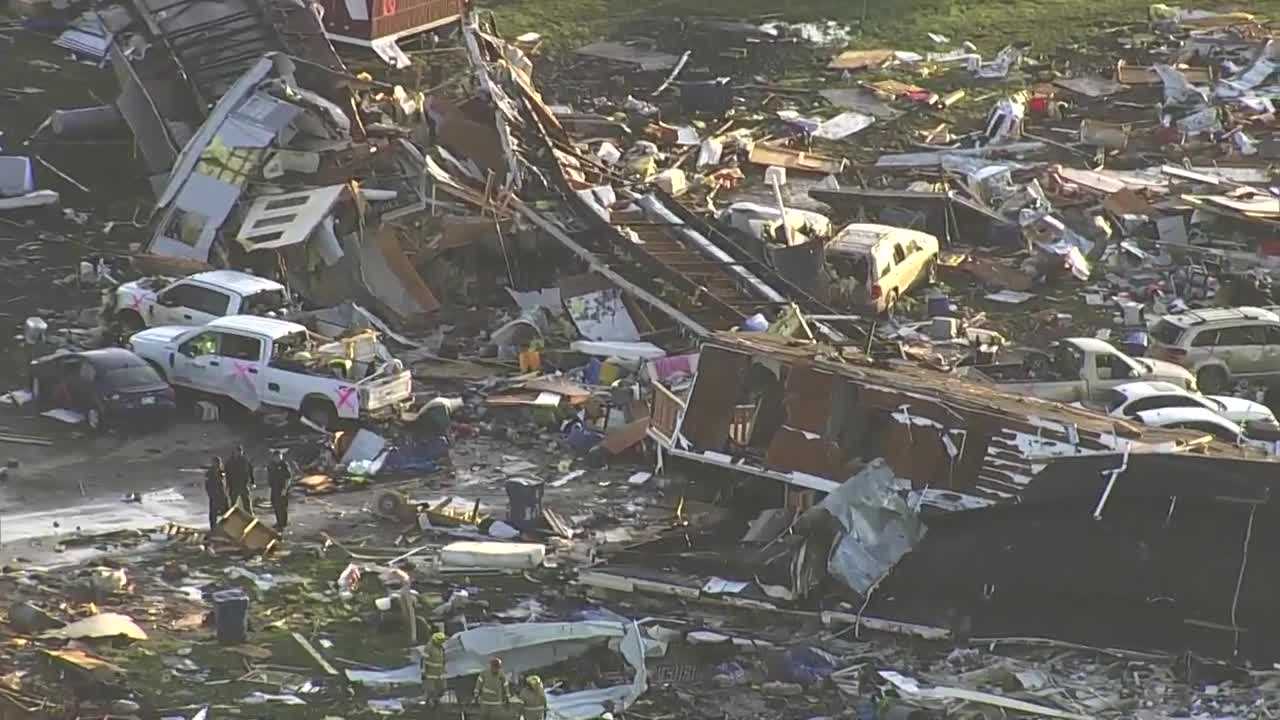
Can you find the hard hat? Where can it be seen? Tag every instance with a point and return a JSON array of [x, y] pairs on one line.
[[534, 682], [438, 638]]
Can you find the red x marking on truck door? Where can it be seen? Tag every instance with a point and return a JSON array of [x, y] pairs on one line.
[[346, 396]]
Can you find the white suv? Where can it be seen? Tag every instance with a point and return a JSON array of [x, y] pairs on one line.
[[1221, 345]]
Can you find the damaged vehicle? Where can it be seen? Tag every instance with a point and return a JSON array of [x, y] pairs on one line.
[[1077, 370], [1210, 423], [264, 361], [877, 264], [1221, 345], [194, 300], [111, 387], [1133, 398]]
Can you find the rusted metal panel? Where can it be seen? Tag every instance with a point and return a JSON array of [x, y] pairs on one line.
[[722, 375], [795, 449], [808, 400]]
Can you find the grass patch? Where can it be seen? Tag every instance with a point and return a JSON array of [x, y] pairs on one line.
[[903, 24]]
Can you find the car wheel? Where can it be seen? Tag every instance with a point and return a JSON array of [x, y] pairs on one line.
[[931, 274], [1211, 380], [320, 412]]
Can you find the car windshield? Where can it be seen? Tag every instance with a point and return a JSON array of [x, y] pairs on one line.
[[1115, 400], [1166, 332], [130, 376], [265, 301]]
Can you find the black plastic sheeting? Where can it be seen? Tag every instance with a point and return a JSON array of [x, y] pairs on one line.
[[1164, 568]]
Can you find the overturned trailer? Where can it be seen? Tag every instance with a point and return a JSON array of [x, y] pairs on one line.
[[810, 415], [1043, 519]]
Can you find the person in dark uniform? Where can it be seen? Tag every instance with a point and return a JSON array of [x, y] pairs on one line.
[[215, 485], [279, 475], [240, 479]]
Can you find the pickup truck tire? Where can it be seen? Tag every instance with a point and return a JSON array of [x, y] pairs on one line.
[[1211, 380], [320, 411], [931, 273], [129, 322]]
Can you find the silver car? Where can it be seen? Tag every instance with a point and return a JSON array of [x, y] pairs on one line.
[[1221, 345]]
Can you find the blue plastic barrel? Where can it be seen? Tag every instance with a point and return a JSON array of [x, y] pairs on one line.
[[231, 616]]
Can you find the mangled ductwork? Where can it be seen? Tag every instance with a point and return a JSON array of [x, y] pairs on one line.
[[876, 527]]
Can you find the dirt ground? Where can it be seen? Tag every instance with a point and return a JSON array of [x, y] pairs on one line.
[[81, 487]]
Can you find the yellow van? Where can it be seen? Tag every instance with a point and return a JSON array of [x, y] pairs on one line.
[[877, 264]]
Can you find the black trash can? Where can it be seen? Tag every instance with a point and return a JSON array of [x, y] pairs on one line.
[[231, 616], [524, 498]]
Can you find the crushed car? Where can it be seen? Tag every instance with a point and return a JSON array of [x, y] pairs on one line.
[[259, 361], [875, 265], [1264, 439], [1132, 398]]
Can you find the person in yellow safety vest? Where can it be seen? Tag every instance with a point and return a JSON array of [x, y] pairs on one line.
[[492, 692], [341, 368], [433, 680], [534, 699]]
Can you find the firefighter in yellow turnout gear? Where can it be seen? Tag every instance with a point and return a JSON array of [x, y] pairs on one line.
[[493, 694], [433, 679], [533, 699]]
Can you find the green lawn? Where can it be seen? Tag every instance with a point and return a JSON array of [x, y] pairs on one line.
[[899, 23]]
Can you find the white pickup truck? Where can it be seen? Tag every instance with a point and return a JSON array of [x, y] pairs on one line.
[[1079, 369], [195, 299], [264, 361]]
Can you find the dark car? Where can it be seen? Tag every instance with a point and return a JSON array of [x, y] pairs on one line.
[[110, 387]]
